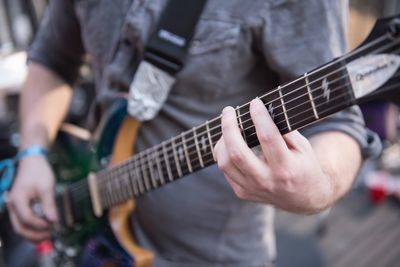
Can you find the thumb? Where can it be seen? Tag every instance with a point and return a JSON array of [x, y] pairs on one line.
[[49, 206]]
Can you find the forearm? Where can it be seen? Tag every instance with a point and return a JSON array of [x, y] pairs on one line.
[[340, 159], [44, 102]]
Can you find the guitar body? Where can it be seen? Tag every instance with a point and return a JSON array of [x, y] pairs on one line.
[[100, 172], [77, 154]]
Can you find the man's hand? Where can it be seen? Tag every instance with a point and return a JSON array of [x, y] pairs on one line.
[[34, 183], [287, 173]]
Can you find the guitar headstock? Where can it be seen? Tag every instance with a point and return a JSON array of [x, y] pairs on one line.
[[373, 67]]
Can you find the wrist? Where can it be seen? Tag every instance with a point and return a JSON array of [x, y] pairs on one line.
[[32, 151]]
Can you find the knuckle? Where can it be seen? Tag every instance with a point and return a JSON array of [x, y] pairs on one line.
[[265, 137], [237, 157], [284, 175]]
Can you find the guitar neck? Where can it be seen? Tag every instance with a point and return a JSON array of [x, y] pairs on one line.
[[292, 106], [332, 87]]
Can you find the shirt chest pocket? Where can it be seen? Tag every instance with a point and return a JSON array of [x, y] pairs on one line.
[[211, 57]]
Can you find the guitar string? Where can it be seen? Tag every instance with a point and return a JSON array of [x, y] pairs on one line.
[[355, 51], [242, 115], [140, 155], [130, 192]]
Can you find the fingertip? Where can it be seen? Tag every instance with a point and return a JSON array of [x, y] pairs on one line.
[[227, 110]]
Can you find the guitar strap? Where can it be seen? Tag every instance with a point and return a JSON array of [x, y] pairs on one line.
[[164, 57]]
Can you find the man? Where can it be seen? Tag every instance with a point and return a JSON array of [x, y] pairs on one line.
[[240, 50]]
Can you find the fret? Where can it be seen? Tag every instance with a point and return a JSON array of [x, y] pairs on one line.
[[178, 165], [210, 139], [275, 109], [247, 123], [108, 190], [132, 177], [159, 168], [111, 191], [185, 150], [197, 147], [135, 187], [311, 96], [116, 187], [116, 182], [284, 108], [139, 180], [167, 163], [145, 177], [153, 174], [205, 148], [297, 103], [331, 89], [240, 122]]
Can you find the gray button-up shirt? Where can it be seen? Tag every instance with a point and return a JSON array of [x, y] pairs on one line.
[[241, 49]]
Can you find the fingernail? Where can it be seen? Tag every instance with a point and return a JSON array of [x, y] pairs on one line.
[[226, 109], [256, 102]]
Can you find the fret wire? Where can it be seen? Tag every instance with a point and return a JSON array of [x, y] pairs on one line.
[[284, 108], [210, 138], [159, 169], [197, 147], [239, 117], [124, 189], [110, 186], [150, 164], [189, 164], [311, 96], [132, 179], [129, 183], [167, 162], [111, 192], [139, 176], [115, 185], [178, 165], [112, 196], [144, 172]]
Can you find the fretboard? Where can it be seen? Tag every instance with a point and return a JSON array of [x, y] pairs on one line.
[[292, 106]]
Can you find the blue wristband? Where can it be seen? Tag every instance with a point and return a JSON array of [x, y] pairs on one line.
[[34, 150]]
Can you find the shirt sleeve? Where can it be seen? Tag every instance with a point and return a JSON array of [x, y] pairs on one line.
[[299, 36], [58, 43]]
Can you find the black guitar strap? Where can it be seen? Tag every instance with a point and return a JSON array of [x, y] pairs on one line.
[[168, 46], [164, 57]]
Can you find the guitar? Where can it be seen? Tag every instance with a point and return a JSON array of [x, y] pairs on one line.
[[114, 176]]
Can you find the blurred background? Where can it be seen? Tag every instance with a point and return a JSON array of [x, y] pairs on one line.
[[363, 229]]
